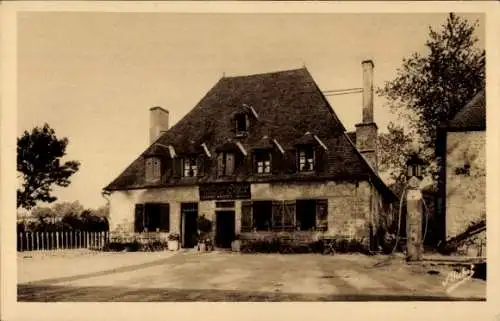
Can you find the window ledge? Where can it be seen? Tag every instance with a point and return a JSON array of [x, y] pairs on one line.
[[241, 134]]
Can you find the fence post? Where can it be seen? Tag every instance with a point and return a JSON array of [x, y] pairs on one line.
[[20, 248], [57, 240], [43, 245], [53, 245]]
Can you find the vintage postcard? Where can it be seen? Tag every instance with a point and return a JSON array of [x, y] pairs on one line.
[[170, 153]]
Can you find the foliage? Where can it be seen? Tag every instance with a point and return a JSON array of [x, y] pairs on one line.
[[67, 216], [204, 227], [430, 88], [174, 237], [133, 246], [39, 155], [393, 148]]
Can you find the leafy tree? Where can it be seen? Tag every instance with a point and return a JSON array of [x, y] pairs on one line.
[[39, 154], [64, 209], [43, 214], [430, 88], [392, 148]]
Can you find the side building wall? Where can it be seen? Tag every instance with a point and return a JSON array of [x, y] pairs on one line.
[[465, 188]]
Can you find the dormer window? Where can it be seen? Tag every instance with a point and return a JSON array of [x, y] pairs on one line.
[[190, 169], [306, 159], [241, 123], [225, 164], [153, 169], [262, 162]]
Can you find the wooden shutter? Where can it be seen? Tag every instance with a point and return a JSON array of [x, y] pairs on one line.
[[200, 164], [177, 167], [164, 217], [139, 218], [321, 160], [277, 219], [322, 214], [148, 168], [289, 215], [220, 164], [291, 161], [230, 163], [246, 216], [276, 160]]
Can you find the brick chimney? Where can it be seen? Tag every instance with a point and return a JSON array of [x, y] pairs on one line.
[[366, 131], [158, 123]]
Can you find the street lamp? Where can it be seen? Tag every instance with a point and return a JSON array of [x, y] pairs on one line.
[[414, 166]]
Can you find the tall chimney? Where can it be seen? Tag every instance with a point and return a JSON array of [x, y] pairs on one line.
[[158, 122], [367, 91], [366, 131]]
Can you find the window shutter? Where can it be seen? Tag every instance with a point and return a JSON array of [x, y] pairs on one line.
[[322, 214], [220, 164], [200, 164], [165, 217], [276, 161], [291, 161], [246, 216], [230, 163], [139, 218], [321, 160], [148, 168], [289, 215], [277, 211], [177, 167]]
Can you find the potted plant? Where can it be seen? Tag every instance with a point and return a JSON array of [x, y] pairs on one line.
[[204, 229], [173, 242], [236, 243]]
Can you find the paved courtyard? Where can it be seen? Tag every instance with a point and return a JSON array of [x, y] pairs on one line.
[[226, 276]]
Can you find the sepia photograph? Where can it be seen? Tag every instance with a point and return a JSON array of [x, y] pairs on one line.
[[251, 157]]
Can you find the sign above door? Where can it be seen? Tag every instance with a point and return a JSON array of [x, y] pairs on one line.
[[229, 191]]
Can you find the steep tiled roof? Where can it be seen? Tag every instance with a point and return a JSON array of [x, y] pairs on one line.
[[288, 104], [472, 116]]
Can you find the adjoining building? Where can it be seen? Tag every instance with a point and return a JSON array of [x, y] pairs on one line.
[[463, 177], [258, 155]]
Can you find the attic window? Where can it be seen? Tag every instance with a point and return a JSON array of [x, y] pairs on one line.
[[153, 169], [306, 158], [262, 162], [242, 123], [225, 164], [190, 169]]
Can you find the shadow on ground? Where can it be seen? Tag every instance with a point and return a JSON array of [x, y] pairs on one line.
[[46, 293]]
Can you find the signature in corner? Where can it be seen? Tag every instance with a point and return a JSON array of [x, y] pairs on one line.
[[455, 279]]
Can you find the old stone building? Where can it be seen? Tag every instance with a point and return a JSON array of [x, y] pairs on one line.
[[464, 184], [259, 154]]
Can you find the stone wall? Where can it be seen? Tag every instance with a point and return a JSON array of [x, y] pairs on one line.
[[465, 189], [122, 206], [348, 203], [351, 206]]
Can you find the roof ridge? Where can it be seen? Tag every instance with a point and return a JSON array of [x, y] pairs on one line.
[[265, 73]]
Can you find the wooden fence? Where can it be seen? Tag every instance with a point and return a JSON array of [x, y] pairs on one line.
[[50, 241]]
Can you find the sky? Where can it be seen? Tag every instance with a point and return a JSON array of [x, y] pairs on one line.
[[93, 76]]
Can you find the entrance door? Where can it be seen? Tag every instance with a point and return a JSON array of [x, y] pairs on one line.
[[189, 212], [225, 225]]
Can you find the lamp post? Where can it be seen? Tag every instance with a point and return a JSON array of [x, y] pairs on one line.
[[414, 245]]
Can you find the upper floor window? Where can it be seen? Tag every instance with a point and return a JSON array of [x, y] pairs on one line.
[[263, 162], [190, 169], [306, 159], [241, 123], [225, 163], [153, 168]]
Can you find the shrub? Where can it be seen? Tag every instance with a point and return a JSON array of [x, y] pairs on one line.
[[154, 246], [133, 246], [174, 237]]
